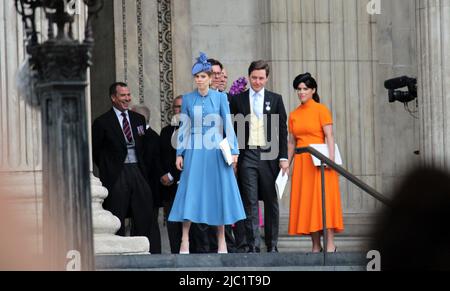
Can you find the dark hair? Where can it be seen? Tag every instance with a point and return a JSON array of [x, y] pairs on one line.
[[413, 233], [209, 73], [259, 65], [309, 82], [215, 62], [113, 87], [178, 97]]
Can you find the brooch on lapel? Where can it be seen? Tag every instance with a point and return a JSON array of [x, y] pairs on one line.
[[141, 130], [268, 108]]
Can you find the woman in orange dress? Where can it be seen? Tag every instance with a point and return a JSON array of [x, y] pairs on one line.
[[311, 123]]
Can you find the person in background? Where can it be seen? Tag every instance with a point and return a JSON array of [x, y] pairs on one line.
[[155, 173], [223, 86], [412, 232], [217, 75], [172, 175]]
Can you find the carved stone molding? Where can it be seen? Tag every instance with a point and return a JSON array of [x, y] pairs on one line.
[[165, 59], [47, 60], [140, 48], [125, 41]]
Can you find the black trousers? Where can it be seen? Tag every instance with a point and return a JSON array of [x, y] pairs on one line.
[[240, 240], [155, 234], [131, 196], [200, 239], [257, 180], [203, 239], [174, 229]]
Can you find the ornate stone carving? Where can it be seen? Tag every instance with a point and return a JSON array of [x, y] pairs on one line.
[[47, 60], [124, 41], [165, 60], [140, 51]]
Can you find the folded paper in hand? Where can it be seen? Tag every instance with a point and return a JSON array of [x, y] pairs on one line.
[[323, 149], [226, 151], [280, 184]]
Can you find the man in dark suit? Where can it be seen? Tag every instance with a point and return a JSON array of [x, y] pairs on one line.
[[118, 152], [261, 128], [223, 86], [153, 165], [235, 236], [171, 176]]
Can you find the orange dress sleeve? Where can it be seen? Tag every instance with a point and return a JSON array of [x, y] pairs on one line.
[[291, 124], [325, 116]]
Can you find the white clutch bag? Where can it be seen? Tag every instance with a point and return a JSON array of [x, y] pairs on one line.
[[226, 151], [280, 184], [323, 149]]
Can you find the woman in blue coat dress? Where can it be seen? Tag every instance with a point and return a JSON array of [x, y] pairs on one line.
[[208, 192]]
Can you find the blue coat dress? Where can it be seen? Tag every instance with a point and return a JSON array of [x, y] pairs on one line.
[[208, 191]]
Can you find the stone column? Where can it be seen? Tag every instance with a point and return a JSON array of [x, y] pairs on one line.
[[396, 131], [20, 129], [433, 42]]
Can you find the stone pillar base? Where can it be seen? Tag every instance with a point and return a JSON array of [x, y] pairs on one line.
[[108, 244], [106, 225]]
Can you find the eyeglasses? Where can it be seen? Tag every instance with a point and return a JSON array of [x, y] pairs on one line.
[[217, 74], [176, 106]]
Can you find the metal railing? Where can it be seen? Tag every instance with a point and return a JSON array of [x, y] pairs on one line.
[[325, 161]]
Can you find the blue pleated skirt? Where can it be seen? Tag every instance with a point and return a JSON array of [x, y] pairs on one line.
[[208, 191]]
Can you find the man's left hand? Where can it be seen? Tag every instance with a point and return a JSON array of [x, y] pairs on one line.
[[284, 165]]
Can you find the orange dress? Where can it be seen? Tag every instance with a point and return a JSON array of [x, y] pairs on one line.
[[306, 125]]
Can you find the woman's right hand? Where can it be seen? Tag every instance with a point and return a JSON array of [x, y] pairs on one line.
[[180, 163]]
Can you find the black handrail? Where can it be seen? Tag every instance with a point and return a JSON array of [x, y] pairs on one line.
[[325, 161], [331, 164]]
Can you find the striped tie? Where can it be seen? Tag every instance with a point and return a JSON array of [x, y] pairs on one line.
[[127, 128]]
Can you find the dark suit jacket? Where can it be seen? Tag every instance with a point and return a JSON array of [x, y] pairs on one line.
[[240, 104], [109, 149], [168, 158], [152, 159]]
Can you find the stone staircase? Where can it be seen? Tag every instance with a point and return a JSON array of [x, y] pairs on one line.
[[287, 244], [341, 261], [294, 256]]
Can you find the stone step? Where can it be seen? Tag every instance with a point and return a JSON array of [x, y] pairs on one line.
[[289, 244], [235, 262]]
